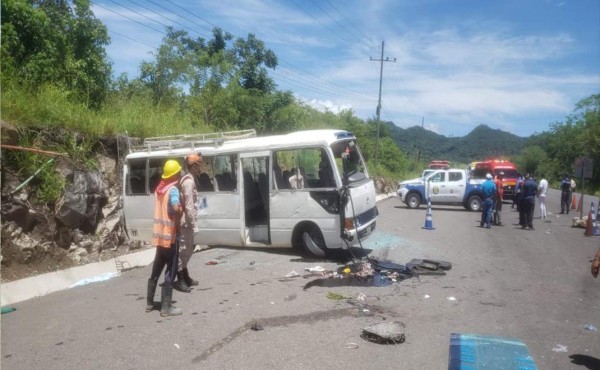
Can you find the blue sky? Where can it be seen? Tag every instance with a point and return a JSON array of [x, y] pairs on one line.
[[514, 65]]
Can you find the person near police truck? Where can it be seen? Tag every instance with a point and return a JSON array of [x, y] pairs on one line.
[[499, 197], [165, 234], [488, 189], [189, 199], [529, 192]]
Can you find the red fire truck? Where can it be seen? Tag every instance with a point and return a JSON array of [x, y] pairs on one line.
[[494, 167]]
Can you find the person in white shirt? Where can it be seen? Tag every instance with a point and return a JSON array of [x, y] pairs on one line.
[[542, 190], [296, 180]]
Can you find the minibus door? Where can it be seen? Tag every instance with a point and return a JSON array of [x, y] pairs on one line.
[[255, 190]]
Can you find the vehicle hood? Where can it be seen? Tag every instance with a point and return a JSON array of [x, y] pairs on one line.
[[363, 198], [416, 181]]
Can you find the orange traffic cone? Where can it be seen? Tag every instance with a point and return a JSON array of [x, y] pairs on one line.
[[580, 205], [574, 201]]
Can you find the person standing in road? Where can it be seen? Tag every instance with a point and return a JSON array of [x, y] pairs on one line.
[[167, 214], [489, 190], [541, 194], [565, 195], [530, 189], [498, 199], [189, 199], [517, 193]]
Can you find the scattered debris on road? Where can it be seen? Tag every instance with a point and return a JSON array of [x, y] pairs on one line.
[[385, 333], [371, 272], [336, 296]]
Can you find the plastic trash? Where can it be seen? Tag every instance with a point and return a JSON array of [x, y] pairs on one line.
[[314, 269], [292, 274], [560, 348], [351, 345], [8, 310], [361, 297], [590, 327], [451, 299]]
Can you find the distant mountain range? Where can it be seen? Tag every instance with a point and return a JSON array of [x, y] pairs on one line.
[[481, 143]]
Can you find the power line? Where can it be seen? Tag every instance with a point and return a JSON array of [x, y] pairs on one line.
[[318, 21], [333, 19], [295, 75], [131, 19], [134, 40], [179, 15], [169, 19], [352, 24]]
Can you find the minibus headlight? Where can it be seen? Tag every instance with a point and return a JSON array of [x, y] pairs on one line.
[[348, 224]]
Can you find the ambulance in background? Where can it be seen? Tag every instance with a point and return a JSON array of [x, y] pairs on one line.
[[494, 167]]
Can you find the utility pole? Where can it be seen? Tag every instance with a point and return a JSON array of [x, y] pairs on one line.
[[419, 153], [379, 102]]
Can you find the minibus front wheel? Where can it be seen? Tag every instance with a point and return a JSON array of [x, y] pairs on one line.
[[309, 238]]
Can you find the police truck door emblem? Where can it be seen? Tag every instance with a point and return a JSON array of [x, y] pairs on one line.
[[436, 190]]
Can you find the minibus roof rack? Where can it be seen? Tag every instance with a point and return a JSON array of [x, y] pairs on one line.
[[193, 140]]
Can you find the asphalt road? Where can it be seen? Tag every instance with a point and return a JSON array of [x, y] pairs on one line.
[[532, 285]]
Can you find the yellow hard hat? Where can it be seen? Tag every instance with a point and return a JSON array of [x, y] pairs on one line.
[[171, 168]]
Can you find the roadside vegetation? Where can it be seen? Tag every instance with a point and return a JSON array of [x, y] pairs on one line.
[[56, 76]]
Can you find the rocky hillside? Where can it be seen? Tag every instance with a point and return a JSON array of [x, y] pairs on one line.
[[84, 225]]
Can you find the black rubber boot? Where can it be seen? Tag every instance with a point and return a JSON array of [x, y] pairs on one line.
[[167, 308], [180, 284], [150, 295], [188, 280]]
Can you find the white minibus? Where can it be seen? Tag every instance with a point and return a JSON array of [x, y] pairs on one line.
[[306, 189]]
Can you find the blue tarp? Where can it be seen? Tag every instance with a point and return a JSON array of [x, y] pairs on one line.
[[473, 352]]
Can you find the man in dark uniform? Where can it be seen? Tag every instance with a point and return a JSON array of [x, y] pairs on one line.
[[565, 195], [528, 203]]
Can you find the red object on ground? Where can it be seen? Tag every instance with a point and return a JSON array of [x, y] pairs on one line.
[[212, 262], [574, 202]]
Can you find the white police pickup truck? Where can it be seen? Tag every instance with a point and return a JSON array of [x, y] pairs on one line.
[[451, 186]]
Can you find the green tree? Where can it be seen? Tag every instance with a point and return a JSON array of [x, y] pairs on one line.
[[531, 159], [253, 59], [578, 136], [50, 41]]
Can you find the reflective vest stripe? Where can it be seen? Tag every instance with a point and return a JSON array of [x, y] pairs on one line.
[[164, 222], [163, 231]]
